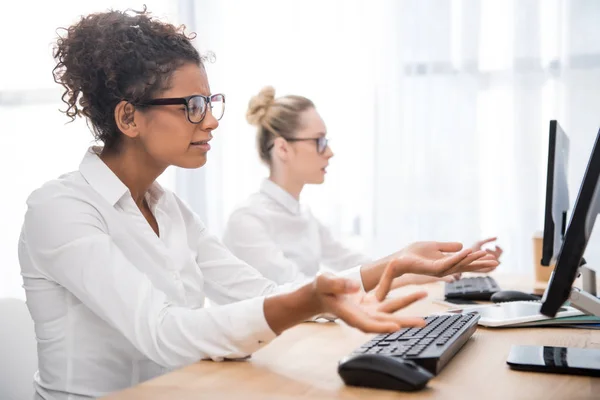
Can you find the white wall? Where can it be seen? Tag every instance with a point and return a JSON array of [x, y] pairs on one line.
[[437, 111]]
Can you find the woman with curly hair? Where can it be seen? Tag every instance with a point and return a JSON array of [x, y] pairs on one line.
[[116, 268]]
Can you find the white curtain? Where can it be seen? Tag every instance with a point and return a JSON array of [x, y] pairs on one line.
[[437, 111], [464, 154]]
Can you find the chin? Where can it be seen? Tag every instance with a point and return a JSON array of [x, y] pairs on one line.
[[317, 180], [192, 162]]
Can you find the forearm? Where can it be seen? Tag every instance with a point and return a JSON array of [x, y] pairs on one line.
[[286, 310], [371, 273]]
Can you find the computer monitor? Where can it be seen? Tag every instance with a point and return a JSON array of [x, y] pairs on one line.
[[587, 207], [557, 193]]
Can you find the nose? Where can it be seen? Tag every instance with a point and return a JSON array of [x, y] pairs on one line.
[[328, 152], [209, 122]]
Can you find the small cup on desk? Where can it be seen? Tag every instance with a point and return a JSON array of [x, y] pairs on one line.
[[542, 273]]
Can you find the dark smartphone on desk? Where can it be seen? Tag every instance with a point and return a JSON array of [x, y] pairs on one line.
[[557, 360]]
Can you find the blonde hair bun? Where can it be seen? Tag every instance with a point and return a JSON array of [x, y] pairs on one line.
[[259, 105]]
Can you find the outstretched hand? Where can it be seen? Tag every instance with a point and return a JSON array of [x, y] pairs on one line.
[[369, 312], [443, 258], [496, 251]]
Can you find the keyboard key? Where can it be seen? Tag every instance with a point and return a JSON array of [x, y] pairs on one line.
[[478, 288], [434, 339]]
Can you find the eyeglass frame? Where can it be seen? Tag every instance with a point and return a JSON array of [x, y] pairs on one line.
[[169, 101], [316, 139]]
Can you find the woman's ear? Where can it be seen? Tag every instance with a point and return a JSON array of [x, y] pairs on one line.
[[125, 119], [281, 149]]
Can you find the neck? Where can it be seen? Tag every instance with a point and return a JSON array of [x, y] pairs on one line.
[[134, 168], [287, 183]]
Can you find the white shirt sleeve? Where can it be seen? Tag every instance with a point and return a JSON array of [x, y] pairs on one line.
[[248, 238], [337, 256], [230, 279], [66, 240]]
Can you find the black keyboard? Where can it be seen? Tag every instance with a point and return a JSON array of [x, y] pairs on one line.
[[431, 347], [478, 288]]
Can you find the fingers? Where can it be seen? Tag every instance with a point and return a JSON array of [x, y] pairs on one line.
[[401, 322], [385, 282], [471, 258], [473, 262], [497, 252], [358, 319], [395, 304], [489, 256], [371, 325], [480, 266], [373, 322], [480, 243], [450, 262], [465, 261], [449, 247], [456, 258], [494, 252], [331, 284], [486, 261]]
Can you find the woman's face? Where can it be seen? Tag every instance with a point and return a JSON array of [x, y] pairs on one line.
[[165, 132], [305, 163]]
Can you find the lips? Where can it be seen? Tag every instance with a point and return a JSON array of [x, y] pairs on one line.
[[201, 145], [202, 142]]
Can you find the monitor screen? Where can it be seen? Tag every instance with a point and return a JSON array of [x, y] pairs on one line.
[[557, 193], [587, 207]]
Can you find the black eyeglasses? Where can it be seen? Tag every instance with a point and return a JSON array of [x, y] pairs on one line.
[[322, 143], [195, 105]]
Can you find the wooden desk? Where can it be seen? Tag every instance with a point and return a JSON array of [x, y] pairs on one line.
[[302, 363]]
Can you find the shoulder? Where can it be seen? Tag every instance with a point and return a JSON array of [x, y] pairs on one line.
[[249, 217], [255, 207], [62, 198], [60, 211]]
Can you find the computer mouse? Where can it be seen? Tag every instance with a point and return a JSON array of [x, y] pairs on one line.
[[383, 372], [512, 295]]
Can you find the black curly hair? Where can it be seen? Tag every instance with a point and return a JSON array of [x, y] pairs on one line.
[[109, 57]]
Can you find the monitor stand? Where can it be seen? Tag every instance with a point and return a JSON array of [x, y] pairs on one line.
[[585, 299], [576, 361]]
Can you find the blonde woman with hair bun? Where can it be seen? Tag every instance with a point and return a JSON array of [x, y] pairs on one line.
[[276, 234]]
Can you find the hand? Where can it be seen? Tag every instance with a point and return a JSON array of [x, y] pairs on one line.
[[369, 312], [496, 251], [429, 258], [441, 259]]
